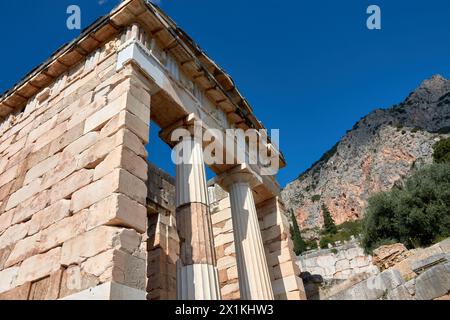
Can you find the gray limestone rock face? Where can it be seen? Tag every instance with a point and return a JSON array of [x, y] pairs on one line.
[[380, 150], [433, 283]]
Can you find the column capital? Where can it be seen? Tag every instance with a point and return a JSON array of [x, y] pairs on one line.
[[242, 173], [187, 123], [135, 27]]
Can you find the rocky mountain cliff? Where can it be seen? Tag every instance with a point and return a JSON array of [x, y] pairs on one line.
[[380, 150]]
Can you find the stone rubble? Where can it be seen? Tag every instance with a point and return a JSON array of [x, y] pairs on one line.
[[387, 256], [427, 277]]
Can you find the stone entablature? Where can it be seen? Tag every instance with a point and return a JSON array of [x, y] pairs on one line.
[[182, 59]]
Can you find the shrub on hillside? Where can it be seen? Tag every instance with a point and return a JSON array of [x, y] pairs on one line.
[[311, 244], [352, 228], [344, 232], [416, 214], [441, 152], [325, 240]]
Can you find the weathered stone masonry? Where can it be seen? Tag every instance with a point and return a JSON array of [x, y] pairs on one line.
[[163, 243], [74, 182], [81, 214]]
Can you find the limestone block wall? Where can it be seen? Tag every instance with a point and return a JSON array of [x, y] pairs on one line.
[[281, 259], [339, 263], [73, 183], [163, 243], [224, 244]]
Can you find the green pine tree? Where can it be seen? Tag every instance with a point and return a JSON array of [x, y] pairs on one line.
[[329, 225], [299, 243]]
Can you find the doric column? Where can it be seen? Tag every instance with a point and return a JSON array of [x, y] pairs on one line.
[[197, 272], [254, 278]]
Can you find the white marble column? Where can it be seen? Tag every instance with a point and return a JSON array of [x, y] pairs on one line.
[[254, 278], [197, 276]]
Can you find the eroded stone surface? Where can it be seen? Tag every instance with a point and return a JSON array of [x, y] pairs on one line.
[[433, 283], [387, 256], [39, 266]]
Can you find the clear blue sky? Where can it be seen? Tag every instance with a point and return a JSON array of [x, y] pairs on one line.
[[309, 68]]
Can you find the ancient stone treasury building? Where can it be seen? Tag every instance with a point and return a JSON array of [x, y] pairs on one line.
[[83, 215]]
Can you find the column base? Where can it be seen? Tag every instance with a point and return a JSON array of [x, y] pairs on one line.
[[198, 282]]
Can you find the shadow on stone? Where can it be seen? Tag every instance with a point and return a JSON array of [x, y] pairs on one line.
[[312, 284]]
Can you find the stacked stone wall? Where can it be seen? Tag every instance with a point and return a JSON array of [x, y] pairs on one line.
[[163, 243], [73, 175], [339, 263], [281, 259], [225, 248]]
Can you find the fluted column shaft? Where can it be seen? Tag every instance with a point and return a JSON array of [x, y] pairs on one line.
[[197, 272], [254, 278]]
